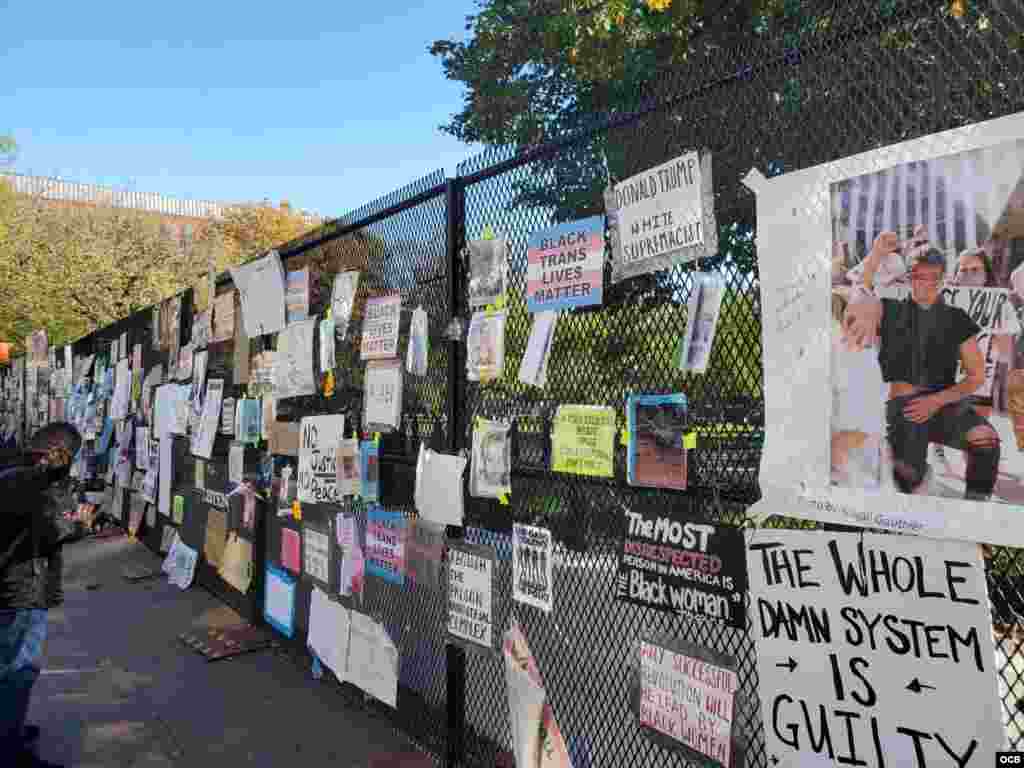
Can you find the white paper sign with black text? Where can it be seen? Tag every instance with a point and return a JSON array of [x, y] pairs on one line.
[[873, 648]]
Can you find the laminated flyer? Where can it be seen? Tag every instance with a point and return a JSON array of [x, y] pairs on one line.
[[485, 346], [491, 467], [657, 426]]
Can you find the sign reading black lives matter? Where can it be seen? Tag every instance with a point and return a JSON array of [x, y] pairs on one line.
[[873, 650], [470, 589], [685, 567], [663, 216]]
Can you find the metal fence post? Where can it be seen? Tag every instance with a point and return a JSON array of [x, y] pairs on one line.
[[455, 655]]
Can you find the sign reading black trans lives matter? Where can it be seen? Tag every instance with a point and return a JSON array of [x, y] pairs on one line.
[[873, 650], [684, 567]]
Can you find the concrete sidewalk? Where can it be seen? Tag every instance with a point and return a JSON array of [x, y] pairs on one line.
[[119, 689]]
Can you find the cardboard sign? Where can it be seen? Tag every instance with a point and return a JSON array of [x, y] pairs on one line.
[[470, 586], [318, 479], [683, 566], [380, 327], [873, 648], [565, 265]]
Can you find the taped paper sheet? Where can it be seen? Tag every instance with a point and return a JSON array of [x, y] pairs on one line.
[[329, 624], [372, 659], [834, 450], [260, 285]]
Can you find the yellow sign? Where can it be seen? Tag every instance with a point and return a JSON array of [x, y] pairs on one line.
[[583, 442]]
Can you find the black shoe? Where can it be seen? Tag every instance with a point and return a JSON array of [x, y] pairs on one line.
[[30, 734], [28, 760]]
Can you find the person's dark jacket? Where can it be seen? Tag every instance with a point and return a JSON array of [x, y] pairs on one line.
[[32, 530]]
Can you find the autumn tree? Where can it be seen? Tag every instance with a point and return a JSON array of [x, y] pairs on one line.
[[73, 270], [247, 230]]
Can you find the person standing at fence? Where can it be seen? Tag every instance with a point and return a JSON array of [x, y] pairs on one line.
[[32, 531], [921, 340]]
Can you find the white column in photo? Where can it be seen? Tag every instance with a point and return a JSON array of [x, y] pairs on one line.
[[871, 212], [853, 193], [971, 196]]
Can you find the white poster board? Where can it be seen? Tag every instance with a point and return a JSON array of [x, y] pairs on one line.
[[293, 363], [260, 285], [202, 440], [316, 556], [318, 444], [380, 327], [470, 586], [826, 453], [532, 567], [885, 641]]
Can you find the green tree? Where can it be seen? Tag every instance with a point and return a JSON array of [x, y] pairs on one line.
[[8, 150]]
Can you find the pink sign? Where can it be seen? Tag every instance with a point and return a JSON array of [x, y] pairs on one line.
[[291, 544]]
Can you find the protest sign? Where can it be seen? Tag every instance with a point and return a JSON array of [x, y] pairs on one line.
[[663, 216], [318, 444], [380, 327], [683, 566], [532, 568], [424, 549], [565, 265], [873, 650], [583, 441], [316, 553], [845, 336], [470, 585], [385, 544], [685, 698]]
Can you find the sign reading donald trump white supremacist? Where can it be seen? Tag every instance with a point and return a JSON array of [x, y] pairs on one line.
[[683, 566], [470, 585], [873, 650], [565, 265]]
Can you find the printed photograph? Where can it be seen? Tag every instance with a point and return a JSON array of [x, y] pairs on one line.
[[657, 454], [487, 271], [927, 372]]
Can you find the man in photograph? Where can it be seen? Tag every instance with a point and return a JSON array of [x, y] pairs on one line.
[[921, 340]]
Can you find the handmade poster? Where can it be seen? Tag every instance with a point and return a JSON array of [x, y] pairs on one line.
[[293, 363], [533, 369], [224, 317], [348, 467], [202, 329], [537, 740], [318, 446], [873, 646], [382, 396], [216, 537], [167, 535], [369, 476], [491, 468], [236, 464], [663, 216], [532, 566], [260, 285], [372, 659], [419, 343], [227, 416], [343, 300], [684, 697], [424, 550], [702, 311], [485, 346], [327, 354], [583, 440], [470, 588], [178, 510], [438, 494], [316, 553], [296, 297], [329, 632], [279, 600], [186, 357], [236, 565], [180, 564], [380, 327], [353, 563], [657, 426], [202, 441], [487, 271], [291, 545], [883, 236], [671, 562], [142, 448], [385, 544], [166, 474], [565, 265]]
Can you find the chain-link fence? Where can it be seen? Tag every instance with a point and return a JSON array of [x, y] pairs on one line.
[[830, 81]]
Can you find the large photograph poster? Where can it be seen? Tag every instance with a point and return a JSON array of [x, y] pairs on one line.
[[893, 345], [873, 650]]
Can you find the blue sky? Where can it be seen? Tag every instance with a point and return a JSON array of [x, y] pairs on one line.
[[325, 104]]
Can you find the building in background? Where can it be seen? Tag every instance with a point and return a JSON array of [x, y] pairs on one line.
[[179, 218]]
